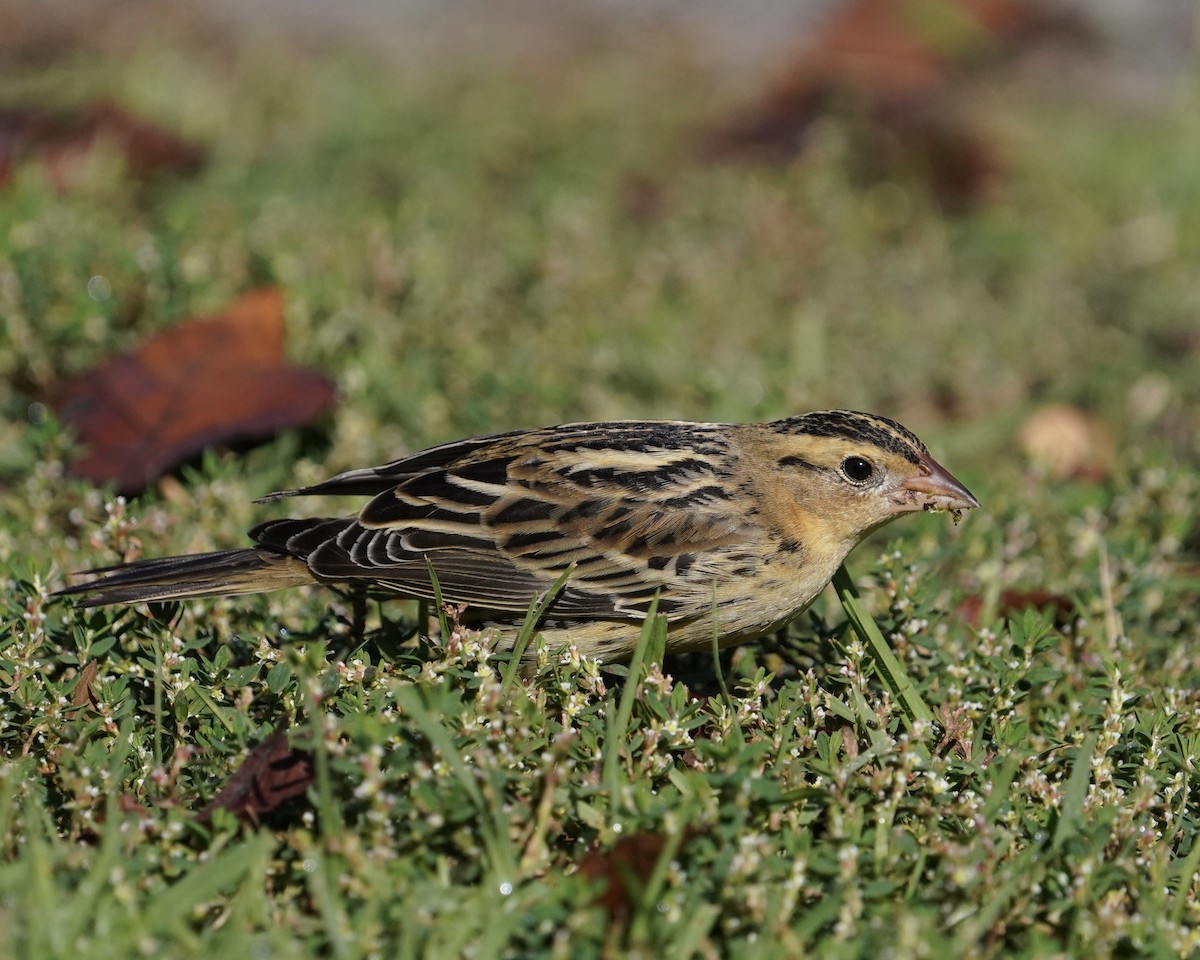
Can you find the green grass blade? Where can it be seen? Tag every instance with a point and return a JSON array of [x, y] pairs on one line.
[[618, 725], [408, 699], [495, 835], [1183, 888], [174, 904], [726, 698], [537, 610], [439, 602], [890, 670], [1071, 811]]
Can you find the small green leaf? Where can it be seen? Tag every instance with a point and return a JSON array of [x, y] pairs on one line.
[[278, 677]]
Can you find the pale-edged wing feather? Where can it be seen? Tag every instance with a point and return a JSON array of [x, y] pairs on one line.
[[632, 509], [368, 481]]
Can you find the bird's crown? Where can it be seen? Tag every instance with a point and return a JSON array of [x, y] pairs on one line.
[[855, 425]]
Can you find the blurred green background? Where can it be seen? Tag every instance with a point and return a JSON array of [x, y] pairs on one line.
[[507, 215], [480, 239]]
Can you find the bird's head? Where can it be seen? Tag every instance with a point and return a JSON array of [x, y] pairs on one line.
[[849, 473]]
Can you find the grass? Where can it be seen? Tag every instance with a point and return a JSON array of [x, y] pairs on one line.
[[462, 246]]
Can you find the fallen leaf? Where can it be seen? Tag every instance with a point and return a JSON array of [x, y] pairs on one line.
[[1067, 442], [84, 694], [623, 871], [895, 64], [272, 773], [126, 804], [1011, 602], [62, 140], [207, 381]]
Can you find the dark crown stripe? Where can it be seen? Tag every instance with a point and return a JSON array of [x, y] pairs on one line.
[[860, 427]]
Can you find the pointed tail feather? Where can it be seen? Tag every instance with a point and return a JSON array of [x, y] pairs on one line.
[[225, 573]]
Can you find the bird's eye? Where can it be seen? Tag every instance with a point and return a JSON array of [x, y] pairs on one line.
[[857, 469]]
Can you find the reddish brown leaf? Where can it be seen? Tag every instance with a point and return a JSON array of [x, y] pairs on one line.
[[126, 804], [623, 871], [148, 148], [1012, 602], [272, 773], [61, 140], [84, 694], [205, 382], [893, 63]]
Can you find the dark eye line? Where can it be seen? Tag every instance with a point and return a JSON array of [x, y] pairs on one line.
[[793, 461]]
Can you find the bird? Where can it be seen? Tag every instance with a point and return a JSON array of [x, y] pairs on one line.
[[732, 529]]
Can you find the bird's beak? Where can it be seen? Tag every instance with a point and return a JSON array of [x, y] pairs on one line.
[[933, 487]]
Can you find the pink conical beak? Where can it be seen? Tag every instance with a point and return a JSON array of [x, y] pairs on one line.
[[932, 488]]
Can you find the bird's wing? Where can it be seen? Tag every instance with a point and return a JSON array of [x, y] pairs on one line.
[[633, 510], [369, 481]]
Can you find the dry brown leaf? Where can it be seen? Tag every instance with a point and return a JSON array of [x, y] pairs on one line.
[[84, 694], [1067, 442], [1012, 602], [272, 773], [894, 63], [623, 871], [205, 382], [61, 141]]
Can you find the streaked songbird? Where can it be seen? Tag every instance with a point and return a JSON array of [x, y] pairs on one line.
[[744, 524]]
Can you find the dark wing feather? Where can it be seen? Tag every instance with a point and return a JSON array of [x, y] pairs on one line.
[[369, 481], [631, 508]]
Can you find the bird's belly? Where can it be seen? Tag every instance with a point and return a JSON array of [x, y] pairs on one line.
[[738, 616]]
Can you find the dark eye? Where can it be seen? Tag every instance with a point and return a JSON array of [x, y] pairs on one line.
[[857, 470]]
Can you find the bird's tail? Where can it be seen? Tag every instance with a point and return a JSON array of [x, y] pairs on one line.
[[224, 573]]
